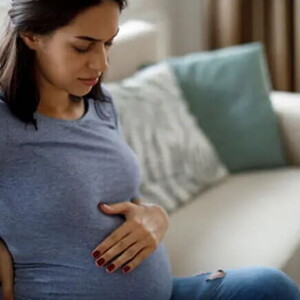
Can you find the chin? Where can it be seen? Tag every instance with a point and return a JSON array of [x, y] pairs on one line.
[[80, 93]]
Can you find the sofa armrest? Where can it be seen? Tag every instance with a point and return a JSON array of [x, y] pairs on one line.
[[287, 108]]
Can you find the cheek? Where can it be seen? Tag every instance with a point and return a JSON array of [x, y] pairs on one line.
[[61, 65]]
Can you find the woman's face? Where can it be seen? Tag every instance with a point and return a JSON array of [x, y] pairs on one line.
[[77, 51]]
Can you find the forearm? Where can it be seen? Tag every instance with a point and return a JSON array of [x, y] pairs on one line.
[[7, 295], [6, 272]]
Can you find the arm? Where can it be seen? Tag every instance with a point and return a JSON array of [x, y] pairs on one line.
[[287, 108], [6, 272]]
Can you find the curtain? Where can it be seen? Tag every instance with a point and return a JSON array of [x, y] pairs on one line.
[[275, 23]]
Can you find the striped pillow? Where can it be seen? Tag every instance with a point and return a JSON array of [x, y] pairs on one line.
[[177, 159]]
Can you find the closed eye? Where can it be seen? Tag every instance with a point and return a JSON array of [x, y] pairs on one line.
[[80, 50], [109, 44]]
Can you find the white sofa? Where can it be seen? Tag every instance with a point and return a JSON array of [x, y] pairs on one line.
[[252, 218]]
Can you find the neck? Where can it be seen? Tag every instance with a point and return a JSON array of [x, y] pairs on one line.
[[61, 107], [57, 103]]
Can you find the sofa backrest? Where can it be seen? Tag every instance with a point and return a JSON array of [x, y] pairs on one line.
[[137, 44]]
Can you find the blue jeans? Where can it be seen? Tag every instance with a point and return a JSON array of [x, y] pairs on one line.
[[252, 283]]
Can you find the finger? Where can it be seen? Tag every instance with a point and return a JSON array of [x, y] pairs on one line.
[[137, 260], [114, 238], [116, 208], [125, 257], [117, 250]]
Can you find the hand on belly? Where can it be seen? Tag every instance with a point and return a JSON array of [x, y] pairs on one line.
[[135, 240]]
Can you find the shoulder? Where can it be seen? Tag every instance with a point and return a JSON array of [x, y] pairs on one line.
[[105, 106], [106, 93], [109, 98]]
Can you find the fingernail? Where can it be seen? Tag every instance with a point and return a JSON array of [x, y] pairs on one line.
[[100, 262], [110, 267], [101, 203], [96, 254], [126, 269]]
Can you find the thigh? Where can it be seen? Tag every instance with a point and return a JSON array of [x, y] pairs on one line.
[[237, 284], [201, 286]]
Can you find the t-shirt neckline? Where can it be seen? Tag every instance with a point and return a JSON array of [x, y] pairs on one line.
[[57, 120]]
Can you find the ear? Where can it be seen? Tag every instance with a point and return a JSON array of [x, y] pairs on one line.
[[30, 40]]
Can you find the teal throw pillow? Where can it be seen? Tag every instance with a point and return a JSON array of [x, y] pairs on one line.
[[227, 91]]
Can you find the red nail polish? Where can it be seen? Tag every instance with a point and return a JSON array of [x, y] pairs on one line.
[[126, 269], [96, 254], [111, 267], [100, 262]]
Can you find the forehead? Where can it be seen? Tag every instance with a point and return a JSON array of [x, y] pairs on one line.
[[100, 22]]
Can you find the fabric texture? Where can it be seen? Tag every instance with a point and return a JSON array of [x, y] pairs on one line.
[[177, 159], [51, 182], [251, 283], [228, 92]]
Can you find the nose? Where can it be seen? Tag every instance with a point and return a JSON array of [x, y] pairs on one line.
[[99, 60]]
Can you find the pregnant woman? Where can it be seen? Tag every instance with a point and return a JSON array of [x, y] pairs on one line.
[[71, 223]]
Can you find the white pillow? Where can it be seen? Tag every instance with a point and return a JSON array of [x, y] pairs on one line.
[[177, 159]]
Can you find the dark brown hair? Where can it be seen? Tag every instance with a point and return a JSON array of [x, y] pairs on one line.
[[17, 78]]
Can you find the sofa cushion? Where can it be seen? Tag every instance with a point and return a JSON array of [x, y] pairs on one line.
[[228, 91], [177, 159], [287, 107], [250, 219]]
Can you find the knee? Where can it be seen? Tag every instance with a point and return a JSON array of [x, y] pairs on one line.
[[275, 284]]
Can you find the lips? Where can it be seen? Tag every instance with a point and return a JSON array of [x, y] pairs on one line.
[[90, 81]]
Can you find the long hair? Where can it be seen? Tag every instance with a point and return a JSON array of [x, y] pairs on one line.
[[17, 79]]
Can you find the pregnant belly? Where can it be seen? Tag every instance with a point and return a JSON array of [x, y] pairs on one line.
[[150, 280], [57, 264]]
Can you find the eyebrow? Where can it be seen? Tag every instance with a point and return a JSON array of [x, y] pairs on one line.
[[91, 39]]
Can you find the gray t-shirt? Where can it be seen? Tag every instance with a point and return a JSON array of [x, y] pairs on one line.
[[51, 182]]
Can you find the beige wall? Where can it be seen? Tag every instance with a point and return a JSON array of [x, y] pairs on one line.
[[180, 21], [185, 26]]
